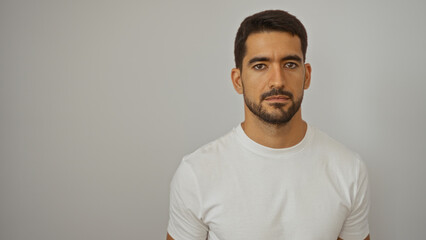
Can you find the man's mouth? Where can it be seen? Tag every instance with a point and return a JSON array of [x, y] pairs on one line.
[[277, 98]]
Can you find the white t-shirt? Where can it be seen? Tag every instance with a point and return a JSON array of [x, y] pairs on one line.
[[234, 188]]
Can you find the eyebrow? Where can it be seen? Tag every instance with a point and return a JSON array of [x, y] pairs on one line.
[[265, 59]]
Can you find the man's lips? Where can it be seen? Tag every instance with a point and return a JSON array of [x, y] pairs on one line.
[[277, 98]]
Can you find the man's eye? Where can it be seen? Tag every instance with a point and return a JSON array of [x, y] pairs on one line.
[[290, 65], [259, 66]]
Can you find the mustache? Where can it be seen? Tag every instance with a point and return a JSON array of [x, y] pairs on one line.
[[275, 92]]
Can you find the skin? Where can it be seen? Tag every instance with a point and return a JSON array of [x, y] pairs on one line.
[[276, 67], [273, 60]]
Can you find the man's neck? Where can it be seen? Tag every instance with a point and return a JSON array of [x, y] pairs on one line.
[[275, 136]]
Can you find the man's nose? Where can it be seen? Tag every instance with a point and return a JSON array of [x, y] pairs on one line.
[[277, 78]]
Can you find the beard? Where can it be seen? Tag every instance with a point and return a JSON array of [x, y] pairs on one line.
[[280, 116]]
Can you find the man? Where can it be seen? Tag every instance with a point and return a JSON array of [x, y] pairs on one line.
[[274, 176]]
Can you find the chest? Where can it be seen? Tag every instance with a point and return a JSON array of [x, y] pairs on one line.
[[277, 202]]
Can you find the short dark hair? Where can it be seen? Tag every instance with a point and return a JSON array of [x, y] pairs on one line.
[[266, 21]]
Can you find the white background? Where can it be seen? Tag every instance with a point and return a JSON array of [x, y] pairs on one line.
[[100, 100]]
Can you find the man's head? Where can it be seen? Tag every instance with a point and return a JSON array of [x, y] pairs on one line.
[[271, 72], [268, 21]]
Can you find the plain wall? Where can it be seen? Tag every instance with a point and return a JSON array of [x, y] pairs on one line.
[[100, 100]]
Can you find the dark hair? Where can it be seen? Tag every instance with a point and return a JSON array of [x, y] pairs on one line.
[[269, 20]]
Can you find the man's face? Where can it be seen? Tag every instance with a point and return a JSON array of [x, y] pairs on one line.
[[273, 76]]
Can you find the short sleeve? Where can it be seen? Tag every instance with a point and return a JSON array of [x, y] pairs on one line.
[[185, 221], [356, 224]]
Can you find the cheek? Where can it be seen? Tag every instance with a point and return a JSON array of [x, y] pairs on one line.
[[250, 93], [255, 83], [296, 80]]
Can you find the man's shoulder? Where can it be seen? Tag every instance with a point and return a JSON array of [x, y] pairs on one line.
[[334, 148], [213, 150], [341, 162]]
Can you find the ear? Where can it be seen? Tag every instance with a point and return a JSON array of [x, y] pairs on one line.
[[308, 70], [236, 80]]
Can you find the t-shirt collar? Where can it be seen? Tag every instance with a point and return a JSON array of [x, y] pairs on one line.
[[273, 152]]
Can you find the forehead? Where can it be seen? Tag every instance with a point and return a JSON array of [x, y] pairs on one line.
[[272, 44]]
